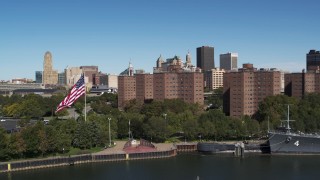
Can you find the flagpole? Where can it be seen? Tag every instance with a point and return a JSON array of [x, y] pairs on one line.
[[85, 102]]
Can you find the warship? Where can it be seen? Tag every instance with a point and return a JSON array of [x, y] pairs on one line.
[[284, 141]]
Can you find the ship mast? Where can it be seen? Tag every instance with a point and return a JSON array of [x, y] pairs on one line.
[[288, 120]]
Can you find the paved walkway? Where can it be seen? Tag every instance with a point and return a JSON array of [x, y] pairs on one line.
[[118, 148]]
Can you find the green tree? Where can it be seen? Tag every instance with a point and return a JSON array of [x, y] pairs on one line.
[[43, 142], [155, 128], [17, 145], [30, 135], [79, 107], [4, 140], [216, 99]]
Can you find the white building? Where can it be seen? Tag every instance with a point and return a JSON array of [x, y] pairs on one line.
[[214, 78], [229, 61]]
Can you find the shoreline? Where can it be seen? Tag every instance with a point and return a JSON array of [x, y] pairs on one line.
[[116, 153]]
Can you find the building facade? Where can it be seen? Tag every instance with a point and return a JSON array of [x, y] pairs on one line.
[[313, 60], [299, 84], [62, 78], [72, 75], [90, 72], [144, 87], [214, 78], [126, 89], [112, 81], [187, 86], [229, 61], [50, 76], [171, 80], [245, 88], [38, 76], [205, 58]]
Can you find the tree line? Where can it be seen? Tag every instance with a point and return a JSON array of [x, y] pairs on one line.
[[157, 121]]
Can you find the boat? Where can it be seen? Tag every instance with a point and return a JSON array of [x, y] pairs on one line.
[[283, 141]]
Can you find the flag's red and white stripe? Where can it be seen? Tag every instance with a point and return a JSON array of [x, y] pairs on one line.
[[76, 92]]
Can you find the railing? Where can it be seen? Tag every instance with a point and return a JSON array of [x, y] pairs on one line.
[[87, 158]]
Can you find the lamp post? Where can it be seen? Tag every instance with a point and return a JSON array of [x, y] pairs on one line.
[[109, 132], [129, 130], [165, 118]]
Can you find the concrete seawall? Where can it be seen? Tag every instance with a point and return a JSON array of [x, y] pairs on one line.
[[108, 155]]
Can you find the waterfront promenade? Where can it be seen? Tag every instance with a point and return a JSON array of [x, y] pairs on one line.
[[118, 148], [115, 153]]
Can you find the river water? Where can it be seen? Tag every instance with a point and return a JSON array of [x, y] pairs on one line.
[[184, 167]]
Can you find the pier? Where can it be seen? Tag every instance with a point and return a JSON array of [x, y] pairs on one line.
[[186, 147]]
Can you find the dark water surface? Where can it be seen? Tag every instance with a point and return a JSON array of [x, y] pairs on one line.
[[184, 167]]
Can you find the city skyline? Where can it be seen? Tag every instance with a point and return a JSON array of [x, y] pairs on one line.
[[109, 35]]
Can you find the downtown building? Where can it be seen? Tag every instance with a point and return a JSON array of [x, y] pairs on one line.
[[38, 77], [244, 88], [229, 61], [50, 76], [72, 75], [313, 60], [299, 84], [205, 58], [214, 78], [171, 79], [90, 72]]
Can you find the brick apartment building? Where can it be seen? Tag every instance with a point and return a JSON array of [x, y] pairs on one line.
[[187, 86], [126, 89], [246, 87], [299, 84], [171, 80]]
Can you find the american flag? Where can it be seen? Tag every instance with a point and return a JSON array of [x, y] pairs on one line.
[[76, 92]]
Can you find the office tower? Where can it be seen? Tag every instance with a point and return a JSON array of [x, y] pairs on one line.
[[205, 58], [214, 78], [313, 60], [229, 61], [245, 88], [62, 78], [38, 76], [49, 75]]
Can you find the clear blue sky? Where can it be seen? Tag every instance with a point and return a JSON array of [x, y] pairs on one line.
[[106, 33]]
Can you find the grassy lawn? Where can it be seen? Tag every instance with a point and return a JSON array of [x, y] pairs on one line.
[[77, 151]]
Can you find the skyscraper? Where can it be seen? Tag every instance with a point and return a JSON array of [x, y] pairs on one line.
[[205, 58], [38, 76], [49, 75], [229, 61], [313, 60]]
